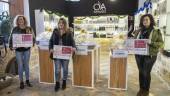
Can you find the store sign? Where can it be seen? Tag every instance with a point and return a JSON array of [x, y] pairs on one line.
[[22, 40], [82, 50], [99, 7], [137, 46], [146, 5], [119, 53], [62, 52]]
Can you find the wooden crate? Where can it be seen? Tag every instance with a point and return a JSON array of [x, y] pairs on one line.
[[118, 73]]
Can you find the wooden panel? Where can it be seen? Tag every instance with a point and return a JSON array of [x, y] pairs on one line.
[[95, 65], [82, 70], [118, 72], [46, 67]]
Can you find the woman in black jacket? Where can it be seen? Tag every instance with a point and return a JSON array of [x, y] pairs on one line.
[[22, 53], [61, 36], [155, 44]]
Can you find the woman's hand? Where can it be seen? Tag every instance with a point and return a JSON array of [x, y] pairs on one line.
[[51, 50], [12, 48], [73, 49]]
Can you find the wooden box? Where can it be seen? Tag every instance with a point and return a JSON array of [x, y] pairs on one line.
[[118, 73]]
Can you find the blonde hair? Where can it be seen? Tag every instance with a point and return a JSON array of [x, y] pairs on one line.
[[17, 18], [64, 22]]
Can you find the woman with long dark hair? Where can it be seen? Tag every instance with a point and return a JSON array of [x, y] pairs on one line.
[[155, 44]]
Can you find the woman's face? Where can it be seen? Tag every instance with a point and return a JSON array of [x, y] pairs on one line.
[[61, 24], [21, 21], [146, 21]]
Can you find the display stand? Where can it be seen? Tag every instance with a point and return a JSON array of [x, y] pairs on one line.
[[118, 73], [85, 73], [46, 66]]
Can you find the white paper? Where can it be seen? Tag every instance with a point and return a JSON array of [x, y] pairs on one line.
[[22, 40], [119, 53], [62, 52], [137, 46], [81, 50]]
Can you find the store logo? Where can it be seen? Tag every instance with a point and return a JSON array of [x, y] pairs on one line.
[[99, 8], [146, 5]]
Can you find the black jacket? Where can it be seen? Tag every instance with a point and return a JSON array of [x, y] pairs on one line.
[[67, 39]]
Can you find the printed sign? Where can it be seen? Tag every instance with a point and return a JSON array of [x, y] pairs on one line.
[[137, 46], [62, 52], [22, 40], [119, 53], [82, 50], [141, 47]]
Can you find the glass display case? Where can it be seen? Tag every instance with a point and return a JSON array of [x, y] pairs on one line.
[[101, 29]]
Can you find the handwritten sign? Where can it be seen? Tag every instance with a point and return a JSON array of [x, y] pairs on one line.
[[22, 40], [62, 52]]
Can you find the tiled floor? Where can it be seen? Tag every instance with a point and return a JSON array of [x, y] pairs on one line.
[[157, 87]]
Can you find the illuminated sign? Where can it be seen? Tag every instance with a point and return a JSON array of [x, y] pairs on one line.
[[99, 7]]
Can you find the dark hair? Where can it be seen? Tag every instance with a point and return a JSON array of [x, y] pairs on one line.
[[151, 20]]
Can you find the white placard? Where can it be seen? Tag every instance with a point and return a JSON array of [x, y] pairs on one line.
[[81, 50], [62, 52], [137, 46], [130, 46], [119, 53], [22, 40]]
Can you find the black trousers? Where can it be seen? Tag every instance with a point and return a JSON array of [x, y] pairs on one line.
[[145, 64]]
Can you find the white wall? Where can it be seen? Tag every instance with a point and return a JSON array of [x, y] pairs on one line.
[[39, 22], [26, 10]]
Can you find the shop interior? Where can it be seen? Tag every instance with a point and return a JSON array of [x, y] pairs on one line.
[[102, 34]]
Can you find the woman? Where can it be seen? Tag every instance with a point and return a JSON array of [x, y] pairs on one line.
[[61, 36], [145, 62], [22, 53]]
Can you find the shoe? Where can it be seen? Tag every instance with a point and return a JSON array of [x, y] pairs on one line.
[[28, 83], [64, 85], [21, 85], [140, 92], [57, 86]]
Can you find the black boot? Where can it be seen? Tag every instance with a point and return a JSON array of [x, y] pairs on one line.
[[28, 83], [145, 93], [21, 85], [64, 85], [57, 86], [140, 92]]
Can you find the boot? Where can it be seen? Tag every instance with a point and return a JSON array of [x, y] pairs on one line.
[[64, 85], [57, 86], [145, 93], [21, 85], [140, 92], [28, 83]]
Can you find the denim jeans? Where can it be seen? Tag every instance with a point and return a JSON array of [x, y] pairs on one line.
[[23, 58], [58, 63], [145, 64]]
